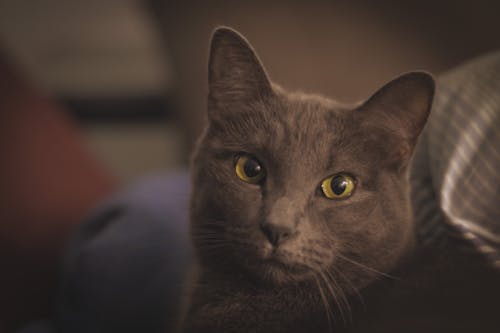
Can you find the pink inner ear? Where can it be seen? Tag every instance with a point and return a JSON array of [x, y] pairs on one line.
[[403, 152]]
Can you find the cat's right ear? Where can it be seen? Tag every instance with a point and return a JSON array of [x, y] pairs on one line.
[[235, 73]]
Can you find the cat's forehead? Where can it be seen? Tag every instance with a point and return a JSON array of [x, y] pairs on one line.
[[309, 118], [295, 128], [320, 114], [307, 128]]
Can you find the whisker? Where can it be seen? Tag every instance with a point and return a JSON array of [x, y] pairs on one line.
[[367, 267], [341, 293], [326, 305], [354, 289], [334, 295]]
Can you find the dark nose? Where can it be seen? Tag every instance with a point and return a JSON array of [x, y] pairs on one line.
[[276, 234]]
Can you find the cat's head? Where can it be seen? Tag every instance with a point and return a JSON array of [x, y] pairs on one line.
[[289, 187]]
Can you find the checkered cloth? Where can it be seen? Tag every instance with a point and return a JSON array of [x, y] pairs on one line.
[[456, 170]]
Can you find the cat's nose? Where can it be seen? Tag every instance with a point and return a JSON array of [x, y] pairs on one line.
[[276, 234]]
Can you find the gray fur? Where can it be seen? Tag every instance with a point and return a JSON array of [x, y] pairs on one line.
[[337, 249]]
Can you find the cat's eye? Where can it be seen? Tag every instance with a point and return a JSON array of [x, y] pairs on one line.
[[337, 187], [249, 169]]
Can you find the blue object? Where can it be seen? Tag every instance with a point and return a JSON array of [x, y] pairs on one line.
[[125, 268]]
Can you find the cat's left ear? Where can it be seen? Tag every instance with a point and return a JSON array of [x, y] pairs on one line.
[[400, 109], [235, 73]]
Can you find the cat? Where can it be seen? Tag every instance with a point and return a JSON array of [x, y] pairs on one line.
[[301, 218]]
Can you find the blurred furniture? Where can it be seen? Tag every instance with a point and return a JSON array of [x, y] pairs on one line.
[[105, 61], [49, 181]]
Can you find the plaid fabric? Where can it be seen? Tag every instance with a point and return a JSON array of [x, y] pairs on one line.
[[456, 170]]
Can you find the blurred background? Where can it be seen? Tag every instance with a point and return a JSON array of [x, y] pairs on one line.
[[96, 94]]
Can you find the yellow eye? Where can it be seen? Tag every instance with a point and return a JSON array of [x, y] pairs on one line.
[[338, 186], [249, 169]]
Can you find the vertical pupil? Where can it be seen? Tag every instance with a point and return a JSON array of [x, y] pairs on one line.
[[252, 168], [338, 185]]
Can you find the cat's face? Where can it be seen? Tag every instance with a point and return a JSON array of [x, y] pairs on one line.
[[291, 187]]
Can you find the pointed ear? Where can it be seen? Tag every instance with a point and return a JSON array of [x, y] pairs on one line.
[[402, 105], [400, 110], [235, 73]]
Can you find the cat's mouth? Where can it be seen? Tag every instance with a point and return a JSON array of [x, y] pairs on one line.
[[279, 266]]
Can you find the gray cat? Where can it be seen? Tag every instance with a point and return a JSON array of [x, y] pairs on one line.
[[301, 216]]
